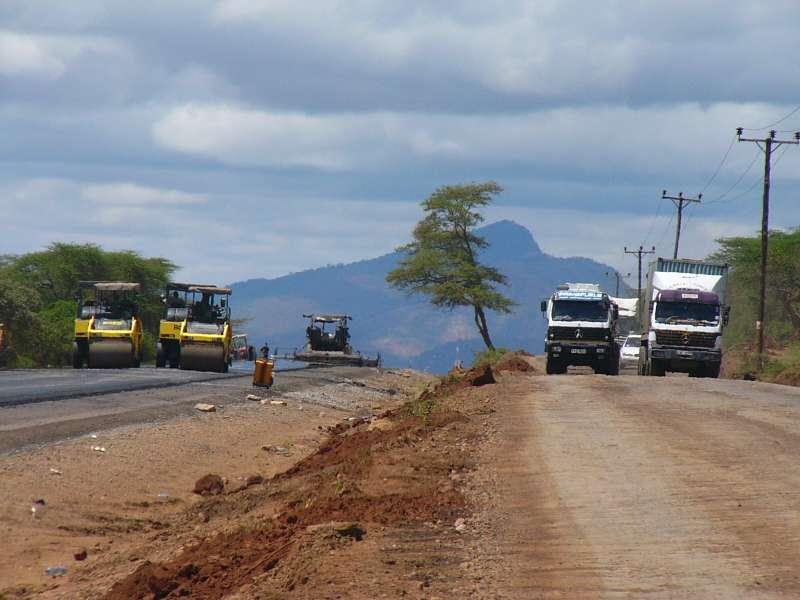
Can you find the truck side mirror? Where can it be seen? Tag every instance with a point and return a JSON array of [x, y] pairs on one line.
[[726, 315], [222, 302], [615, 310], [543, 306]]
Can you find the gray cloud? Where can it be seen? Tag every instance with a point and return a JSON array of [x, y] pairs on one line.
[[310, 135]]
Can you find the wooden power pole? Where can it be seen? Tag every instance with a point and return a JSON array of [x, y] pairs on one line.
[[767, 145], [639, 253], [679, 201], [618, 277]]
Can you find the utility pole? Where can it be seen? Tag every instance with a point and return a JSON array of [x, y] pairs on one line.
[[769, 144], [679, 201], [618, 276], [639, 253]]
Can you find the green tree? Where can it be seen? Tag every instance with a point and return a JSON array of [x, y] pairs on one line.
[[783, 285], [442, 260], [18, 307], [37, 295]]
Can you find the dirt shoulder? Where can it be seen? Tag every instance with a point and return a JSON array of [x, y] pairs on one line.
[[132, 500]]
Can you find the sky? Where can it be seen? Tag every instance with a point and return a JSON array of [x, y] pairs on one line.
[[254, 138]]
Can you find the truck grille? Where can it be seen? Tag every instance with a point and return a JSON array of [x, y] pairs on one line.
[[579, 333], [686, 338]]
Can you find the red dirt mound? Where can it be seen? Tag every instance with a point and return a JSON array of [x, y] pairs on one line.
[[390, 477], [513, 362]]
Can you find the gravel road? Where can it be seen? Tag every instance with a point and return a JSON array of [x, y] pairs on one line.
[[645, 487]]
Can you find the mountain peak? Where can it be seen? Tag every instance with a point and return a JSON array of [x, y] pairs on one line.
[[509, 238]]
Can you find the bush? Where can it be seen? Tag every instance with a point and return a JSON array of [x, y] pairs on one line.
[[489, 357]]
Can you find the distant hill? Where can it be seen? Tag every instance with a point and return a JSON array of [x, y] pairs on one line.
[[407, 331]]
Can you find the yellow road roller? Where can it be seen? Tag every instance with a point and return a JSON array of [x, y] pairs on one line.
[[195, 333], [108, 330]]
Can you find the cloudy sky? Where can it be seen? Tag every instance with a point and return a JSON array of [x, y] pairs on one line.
[[251, 138]]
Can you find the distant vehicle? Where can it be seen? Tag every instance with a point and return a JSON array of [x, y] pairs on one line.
[[581, 329], [240, 350], [683, 315], [629, 352]]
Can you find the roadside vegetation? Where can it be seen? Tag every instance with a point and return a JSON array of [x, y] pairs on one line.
[[782, 333], [37, 298]]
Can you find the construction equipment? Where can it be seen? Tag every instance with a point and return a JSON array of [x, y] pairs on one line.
[[195, 333], [108, 330], [328, 342], [262, 373]]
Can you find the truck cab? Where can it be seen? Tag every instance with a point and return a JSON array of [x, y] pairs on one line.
[[581, 329]]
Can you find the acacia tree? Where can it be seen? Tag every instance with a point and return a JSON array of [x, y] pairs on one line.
[[442, 260], [783, 284]]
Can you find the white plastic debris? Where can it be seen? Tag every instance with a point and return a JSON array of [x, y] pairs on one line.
[[99, 448], [254, 398]]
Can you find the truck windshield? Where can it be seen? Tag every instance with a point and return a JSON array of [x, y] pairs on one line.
[[687, 312], [579, 310]]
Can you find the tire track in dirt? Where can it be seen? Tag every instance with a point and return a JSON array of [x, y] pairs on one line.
[[540, 547], [740, 468]]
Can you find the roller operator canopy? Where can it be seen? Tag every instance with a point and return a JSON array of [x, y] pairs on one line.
[[111, 286], [209, 289], [328, 318]]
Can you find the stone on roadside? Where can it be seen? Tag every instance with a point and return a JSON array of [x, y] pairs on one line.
[[253, 480], [80, 554], [277, 402], [209, 485], [254, 398], [203, 407], [460, 525]]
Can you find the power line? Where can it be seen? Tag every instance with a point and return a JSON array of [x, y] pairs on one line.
[[719, 166], [736, 183], [653, 223], [781, 120]]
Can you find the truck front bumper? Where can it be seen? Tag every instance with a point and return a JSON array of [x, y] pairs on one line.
[[578, 353], [694, 355]]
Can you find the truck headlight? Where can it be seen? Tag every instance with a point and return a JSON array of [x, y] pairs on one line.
[[556, 348], [551, 335]]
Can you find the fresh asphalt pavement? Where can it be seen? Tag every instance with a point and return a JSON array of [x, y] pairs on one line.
[[40, 385], [42, 406]]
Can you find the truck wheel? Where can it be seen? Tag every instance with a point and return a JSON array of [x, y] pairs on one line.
[[657, 368], [613, 368], [77, 356], [552, 367], [174, 357], [711, 371], [161, 358]]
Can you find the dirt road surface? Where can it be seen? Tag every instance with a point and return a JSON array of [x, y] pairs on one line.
[[576, 486], [633, 487]]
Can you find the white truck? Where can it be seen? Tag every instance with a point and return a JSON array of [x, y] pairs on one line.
[[581, 327], [682, 316]]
